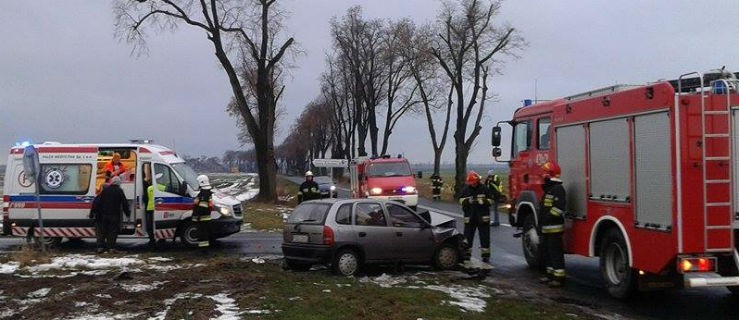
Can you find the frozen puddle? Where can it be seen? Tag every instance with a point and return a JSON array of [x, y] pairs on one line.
[[467, 298]]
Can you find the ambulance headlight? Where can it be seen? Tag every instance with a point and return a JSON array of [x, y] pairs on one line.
[[332, 188], [226, 211]]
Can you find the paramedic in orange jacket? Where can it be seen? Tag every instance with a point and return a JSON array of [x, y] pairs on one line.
[[115, 166]]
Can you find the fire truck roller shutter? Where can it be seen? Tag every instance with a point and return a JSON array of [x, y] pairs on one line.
[[610, 178], [571, 158], [653, 172]]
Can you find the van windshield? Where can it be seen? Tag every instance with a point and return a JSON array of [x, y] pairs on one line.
[[389, 169], [188, 174]]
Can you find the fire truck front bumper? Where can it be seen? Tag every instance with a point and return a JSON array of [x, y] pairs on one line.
[[701, 280], [410, 200]]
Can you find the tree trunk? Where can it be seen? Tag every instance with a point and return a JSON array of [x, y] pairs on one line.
[[373, 130], [266, 169], [437, 160], [460, 165]]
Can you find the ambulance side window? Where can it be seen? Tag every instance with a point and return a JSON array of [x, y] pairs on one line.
[[543, 129], [72, 179], [168, 178], [521, 137]]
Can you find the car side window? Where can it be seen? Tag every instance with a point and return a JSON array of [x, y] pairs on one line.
[[402, 217], [369, 214], [344, 214]]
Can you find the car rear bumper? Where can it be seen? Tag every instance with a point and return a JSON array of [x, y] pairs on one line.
[[313, 253], [223, 227]]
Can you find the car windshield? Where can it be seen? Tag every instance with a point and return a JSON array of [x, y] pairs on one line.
[[389, 169], [188, 174], [322, 180], [309, 213]]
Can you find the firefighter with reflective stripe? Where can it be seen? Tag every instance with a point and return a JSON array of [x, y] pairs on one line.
[[308, 189], [436, 184], [476, 200], [495, 184], [201, 211], [551, 220]]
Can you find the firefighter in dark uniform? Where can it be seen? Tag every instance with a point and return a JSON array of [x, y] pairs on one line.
[[308, 189], [495, 184], [551, 218], [436, 184], [203, 205], [476, 200]]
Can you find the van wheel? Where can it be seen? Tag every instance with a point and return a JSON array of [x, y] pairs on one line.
[[620, 278], [531, 243], [447, 257], [346, 262], [297, 266], [49, 242], [189, 235]]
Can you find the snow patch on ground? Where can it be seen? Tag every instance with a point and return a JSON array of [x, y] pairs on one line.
[[106, 316], [76, 261], [40, 293], [90, 265], [169, 302], [226, 306], [384, 280], [467, 298], [9, 268]]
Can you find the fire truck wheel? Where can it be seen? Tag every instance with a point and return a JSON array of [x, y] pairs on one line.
[[620, 278], [734, 290], [531, 243]]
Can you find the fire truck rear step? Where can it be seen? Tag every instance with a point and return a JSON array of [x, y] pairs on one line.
[[702, 280]]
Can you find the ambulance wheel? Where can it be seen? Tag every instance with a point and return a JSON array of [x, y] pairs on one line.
[[189, 235], [620, 278], [531, 243], [49, 242]]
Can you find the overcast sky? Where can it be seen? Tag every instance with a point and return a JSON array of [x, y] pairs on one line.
[[64, 77]]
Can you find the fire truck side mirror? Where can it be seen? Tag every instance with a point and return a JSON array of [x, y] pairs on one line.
[[497, 152], [496, 136]]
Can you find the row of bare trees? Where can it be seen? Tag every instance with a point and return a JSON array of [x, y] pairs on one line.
[[382, 70]]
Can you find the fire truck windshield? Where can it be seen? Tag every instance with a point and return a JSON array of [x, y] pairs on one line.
[[389, 169]]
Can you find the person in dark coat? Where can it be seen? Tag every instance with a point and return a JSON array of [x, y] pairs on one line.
[[309, 189], [107, 211], [476, 200]]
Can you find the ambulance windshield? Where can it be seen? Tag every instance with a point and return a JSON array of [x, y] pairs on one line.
[[188, 174]]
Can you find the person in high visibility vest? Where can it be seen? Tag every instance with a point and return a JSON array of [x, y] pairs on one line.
[[495, 184], [476, 200], [551, 219], [309, 189], [150, 207], [203, 205], [436, 184]]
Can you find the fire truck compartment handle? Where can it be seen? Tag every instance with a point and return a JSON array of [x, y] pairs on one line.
[[526, 178]]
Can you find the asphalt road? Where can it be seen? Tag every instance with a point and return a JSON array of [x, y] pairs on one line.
[[584, 286]]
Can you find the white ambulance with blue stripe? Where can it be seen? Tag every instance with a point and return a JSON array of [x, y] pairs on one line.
[[71, 174]]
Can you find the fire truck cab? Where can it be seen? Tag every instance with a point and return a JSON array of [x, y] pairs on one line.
[[383, 178], [72, 174], [651, 178]]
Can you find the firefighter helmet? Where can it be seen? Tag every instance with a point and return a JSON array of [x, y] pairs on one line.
[[203, 182], [309, 173], [473, 178], [551, 169]]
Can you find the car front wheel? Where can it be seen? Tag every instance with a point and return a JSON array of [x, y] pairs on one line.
[[447, 256], [346, 262]]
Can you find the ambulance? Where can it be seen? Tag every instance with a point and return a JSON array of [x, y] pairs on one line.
[[72, 174]]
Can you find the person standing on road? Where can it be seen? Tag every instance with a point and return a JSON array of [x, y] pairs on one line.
[[551, 216], [201, 211], [436, 184], [308, 189], [107, 208], [150, 207], [495, 184], [476, 200]]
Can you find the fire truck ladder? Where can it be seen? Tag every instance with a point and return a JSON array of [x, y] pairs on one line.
[[717, 174]]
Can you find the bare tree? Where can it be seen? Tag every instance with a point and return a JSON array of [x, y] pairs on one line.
[[398, 77], [245, 37], [425, 72], [358, 41], [465, 48]]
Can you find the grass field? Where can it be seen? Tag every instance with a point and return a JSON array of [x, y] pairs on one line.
[[191, 286]]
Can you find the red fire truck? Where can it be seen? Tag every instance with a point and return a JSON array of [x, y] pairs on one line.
[[384, 178], [651, 179]]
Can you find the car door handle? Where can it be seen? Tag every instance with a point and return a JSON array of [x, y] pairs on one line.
[[399, 234], [362, 234]]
